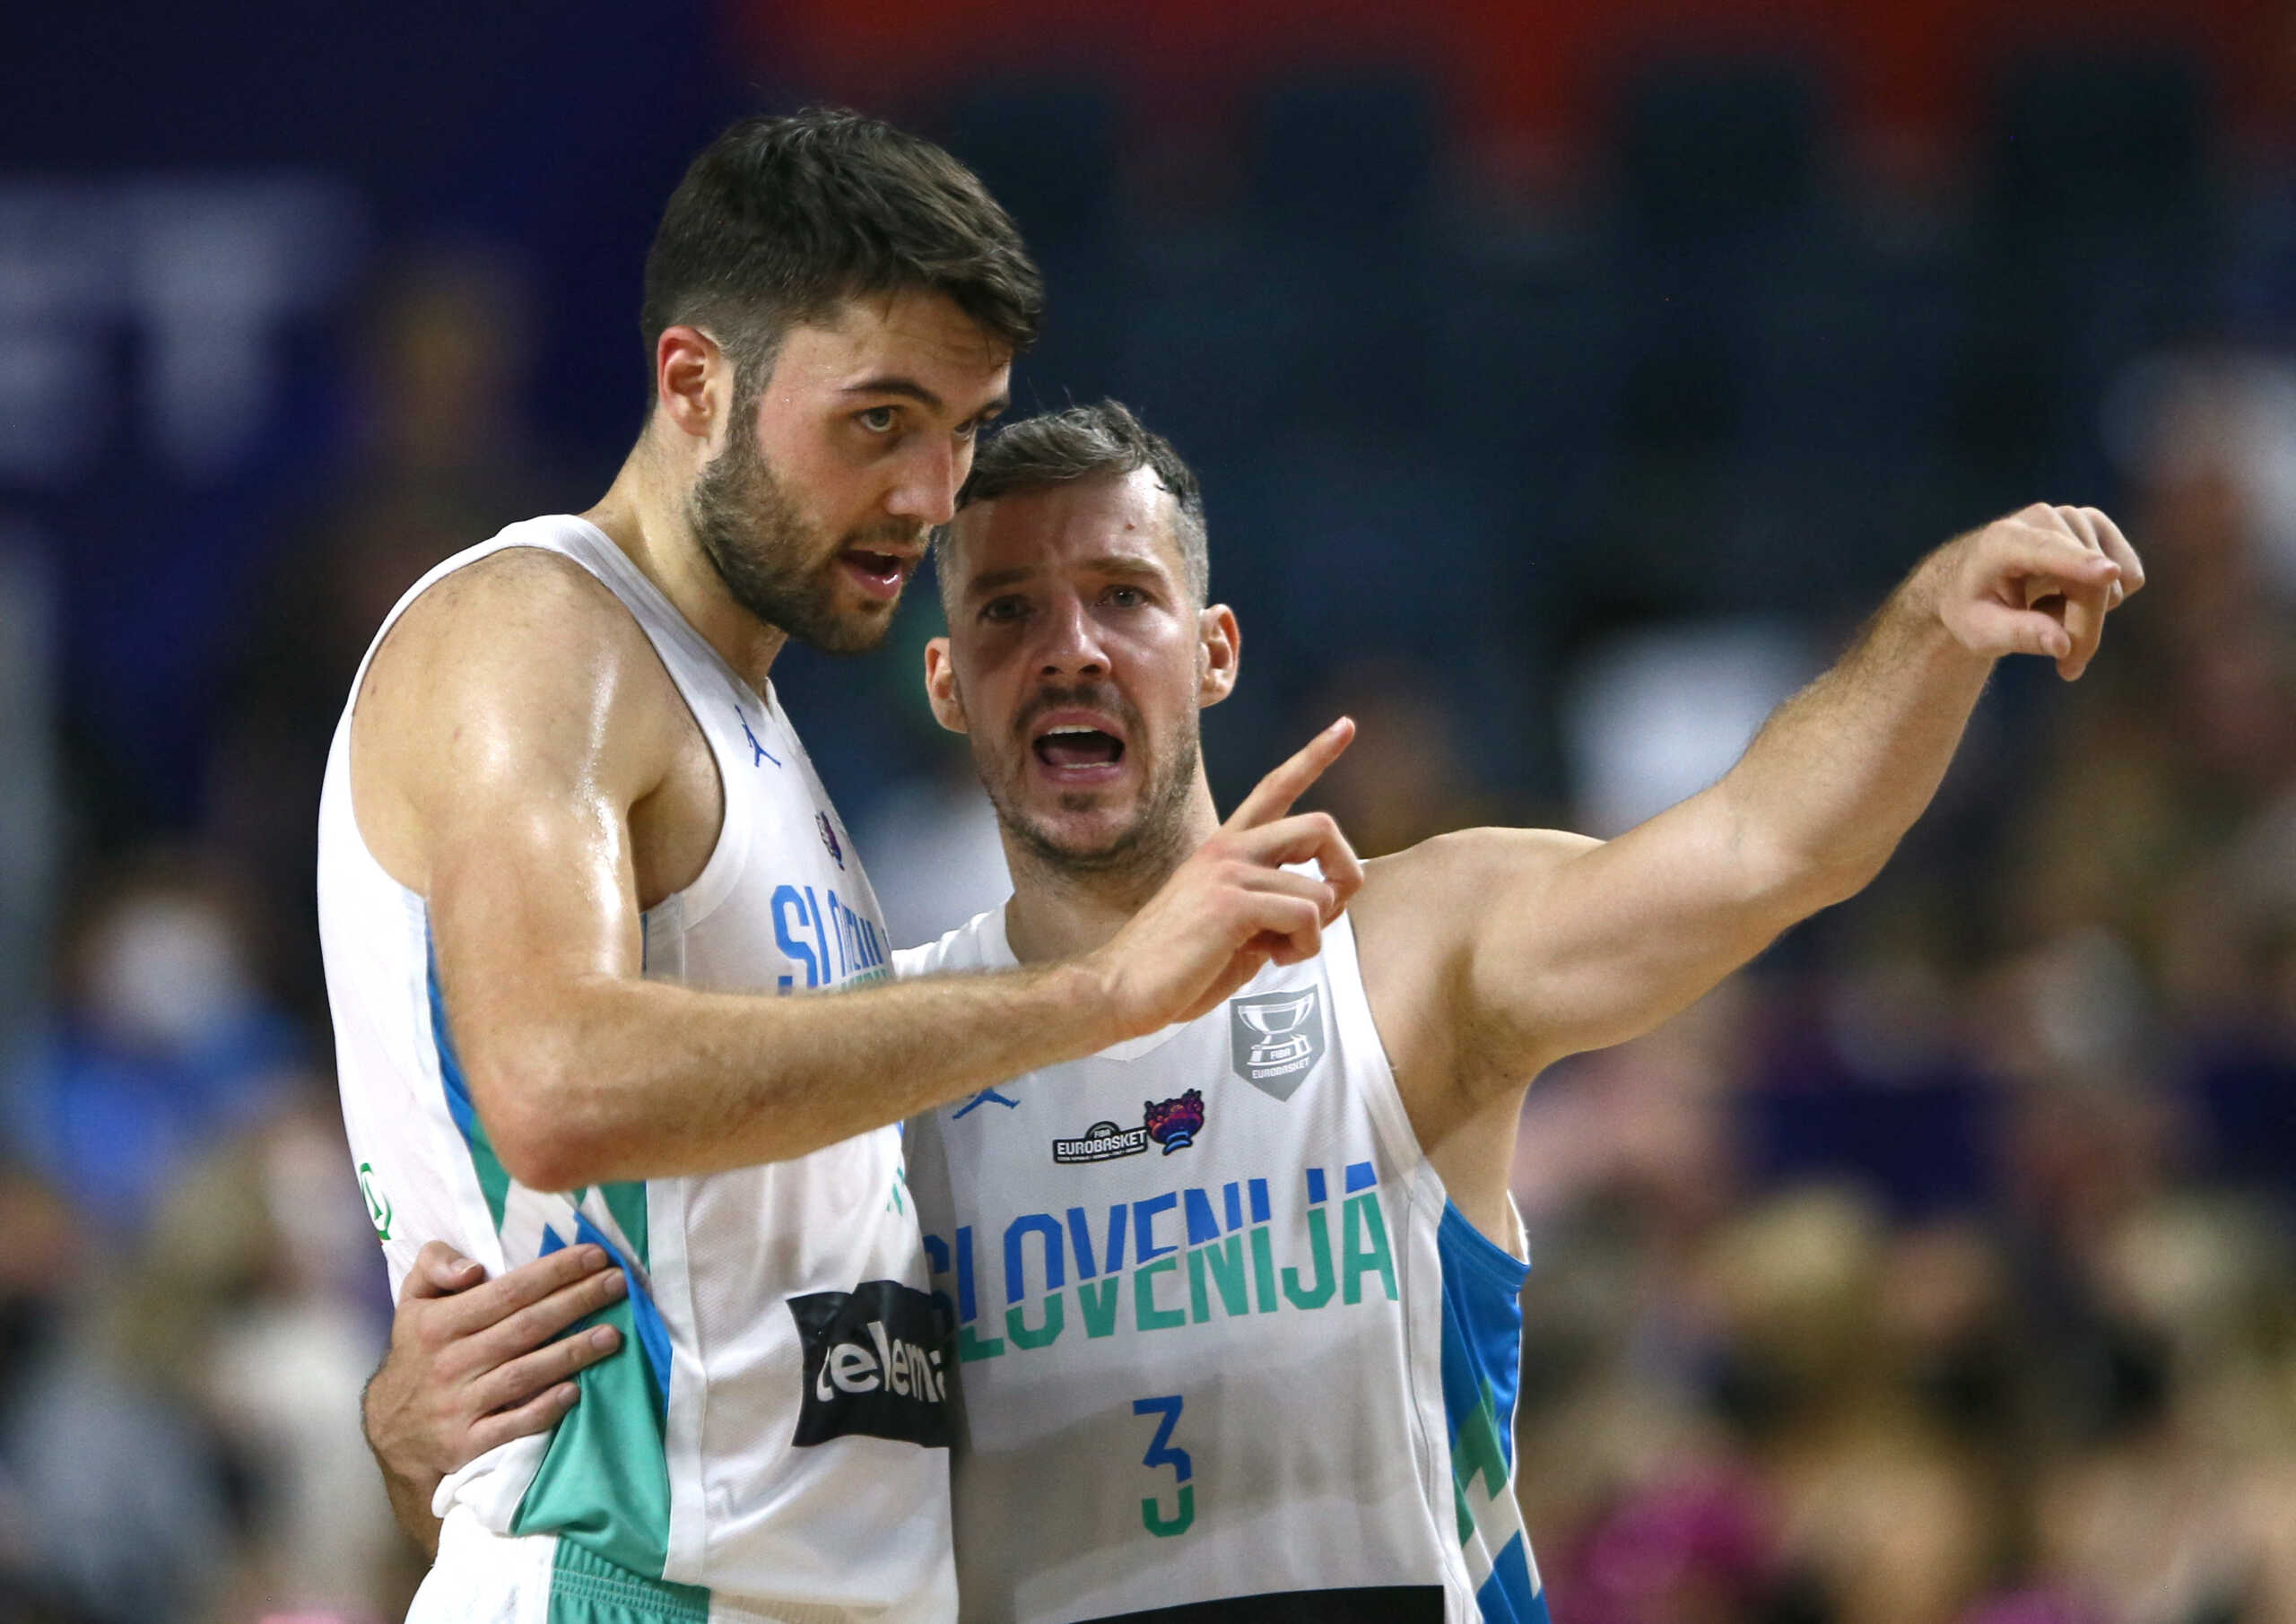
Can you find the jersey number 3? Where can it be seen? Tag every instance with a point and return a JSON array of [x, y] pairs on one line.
[[1161, 1452]]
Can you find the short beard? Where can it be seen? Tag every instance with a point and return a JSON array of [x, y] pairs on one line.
[[1148, 848], [761, 545]]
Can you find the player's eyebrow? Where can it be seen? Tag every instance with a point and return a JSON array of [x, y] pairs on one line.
[[995, 580], [893, 384], [1117, 563], [1106, 563], [910, 389]]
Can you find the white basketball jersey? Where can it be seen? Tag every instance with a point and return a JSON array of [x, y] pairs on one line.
[[774, 1423], [1228, 1352]]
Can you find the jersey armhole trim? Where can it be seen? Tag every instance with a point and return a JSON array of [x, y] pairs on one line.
[[1497, 1266], [1388, 1110], [730, 851]]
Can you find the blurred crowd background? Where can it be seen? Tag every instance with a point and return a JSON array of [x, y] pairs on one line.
[[1567, 381]]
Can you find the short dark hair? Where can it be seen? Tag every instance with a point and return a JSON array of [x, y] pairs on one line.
[[1087, 442], [781, 219]]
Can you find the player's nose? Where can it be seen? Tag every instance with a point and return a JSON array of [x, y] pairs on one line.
[[1071, 644], [930, 475]]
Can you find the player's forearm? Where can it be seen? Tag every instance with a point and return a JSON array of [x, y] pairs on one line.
[[410, 1509], [1574, 949], [1842, 771], [410, 1494], [626, 1079]]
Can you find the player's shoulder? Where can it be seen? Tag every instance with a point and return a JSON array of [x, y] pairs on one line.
[[520, 660], [1472, 856], [1447, 879], [978, 944], [518, 618], [512, 592]]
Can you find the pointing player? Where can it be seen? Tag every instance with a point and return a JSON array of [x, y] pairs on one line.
[[1235, 1300], [570, 849]]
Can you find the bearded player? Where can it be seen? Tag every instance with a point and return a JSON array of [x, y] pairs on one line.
[[572, 855], [1235, 1301]]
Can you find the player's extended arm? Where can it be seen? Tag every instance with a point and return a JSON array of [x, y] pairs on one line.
[[1562, 944], [518, 728], [473, 1363]]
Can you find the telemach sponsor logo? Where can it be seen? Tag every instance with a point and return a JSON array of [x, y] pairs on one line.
[[902, 1368], [875, 1364]]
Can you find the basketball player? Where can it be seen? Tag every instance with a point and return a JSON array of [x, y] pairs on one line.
[[571, 851], [1235, 1301]]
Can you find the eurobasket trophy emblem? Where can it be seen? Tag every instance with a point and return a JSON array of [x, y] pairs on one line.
[[1276, 1038], [1282, 1041]]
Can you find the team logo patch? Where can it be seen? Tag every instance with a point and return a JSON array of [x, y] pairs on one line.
[[1276, 1038], [876, 1363], [1174, 1124], [829, 836]]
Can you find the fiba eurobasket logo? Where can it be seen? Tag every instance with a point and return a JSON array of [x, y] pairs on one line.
[[1276, 1038]]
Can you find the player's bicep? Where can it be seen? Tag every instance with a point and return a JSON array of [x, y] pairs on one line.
[[534, 920], [515, 750], [530, 892], [1583, 943]]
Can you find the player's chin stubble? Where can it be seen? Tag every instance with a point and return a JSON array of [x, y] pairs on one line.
[[761, 547], [1149, 845]]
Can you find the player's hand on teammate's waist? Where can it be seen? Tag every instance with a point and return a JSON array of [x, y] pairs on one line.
[[477, 1363], [2040, 581], [1235, 904]]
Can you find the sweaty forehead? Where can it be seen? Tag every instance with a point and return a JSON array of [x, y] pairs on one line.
[[1121, 523]]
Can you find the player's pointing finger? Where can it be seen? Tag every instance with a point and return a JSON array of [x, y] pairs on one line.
[[1273, 795], [2115, 547], [2028, 550]]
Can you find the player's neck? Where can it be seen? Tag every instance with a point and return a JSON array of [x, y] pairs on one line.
[[644, 514], [1059, 910]]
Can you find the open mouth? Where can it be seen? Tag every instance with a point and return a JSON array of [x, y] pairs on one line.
[[880, 573], [1079, 746], [1072, 744]]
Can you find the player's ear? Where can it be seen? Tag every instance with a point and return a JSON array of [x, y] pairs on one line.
[[1220, 644], [941, 686], [693, 381]]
